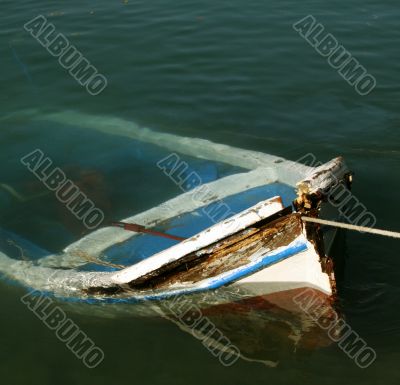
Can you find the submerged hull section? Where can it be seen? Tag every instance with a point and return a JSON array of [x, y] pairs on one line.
[[111, 265]]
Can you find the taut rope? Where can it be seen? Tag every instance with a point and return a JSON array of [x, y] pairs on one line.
[[385, 233]]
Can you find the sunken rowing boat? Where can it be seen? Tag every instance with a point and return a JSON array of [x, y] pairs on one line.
[[240, 217]]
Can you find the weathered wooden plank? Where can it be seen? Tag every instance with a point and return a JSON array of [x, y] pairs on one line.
[[323, 177], [231, 253], [205, 238]]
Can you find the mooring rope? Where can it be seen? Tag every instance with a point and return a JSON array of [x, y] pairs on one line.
[[385, 233]]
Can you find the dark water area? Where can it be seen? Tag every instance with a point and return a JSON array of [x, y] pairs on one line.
[[233, 72]]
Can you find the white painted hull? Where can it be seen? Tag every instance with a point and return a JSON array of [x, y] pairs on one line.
[[302, 270]]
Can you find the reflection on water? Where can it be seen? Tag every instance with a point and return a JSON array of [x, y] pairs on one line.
[[248, 328]]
